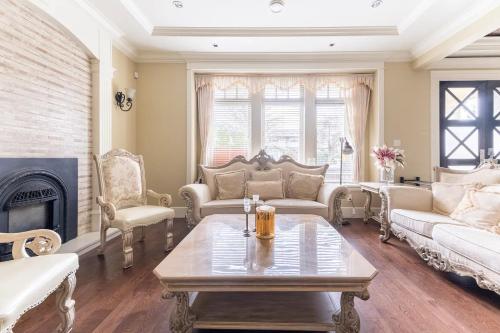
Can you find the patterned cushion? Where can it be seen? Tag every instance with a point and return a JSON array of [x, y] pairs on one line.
[[266, 175], [122, 180], [272, 189], [303, 186], [231, 185]]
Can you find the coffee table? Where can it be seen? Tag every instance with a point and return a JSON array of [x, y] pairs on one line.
[[305, 279]]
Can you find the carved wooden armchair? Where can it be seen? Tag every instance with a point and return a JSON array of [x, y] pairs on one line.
[[27, 281], [123, 201]]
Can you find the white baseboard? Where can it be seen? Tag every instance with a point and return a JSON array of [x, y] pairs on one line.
[[86, 242]]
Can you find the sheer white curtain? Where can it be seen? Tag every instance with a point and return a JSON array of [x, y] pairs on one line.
[[357, 100], [205, 106]]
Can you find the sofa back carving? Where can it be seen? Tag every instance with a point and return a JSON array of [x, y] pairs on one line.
[[121, 178], [487, 173], [261, 161]]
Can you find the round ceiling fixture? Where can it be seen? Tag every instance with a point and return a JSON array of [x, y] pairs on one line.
[[376, 3], [215, 45], [331, 44], [277, 6], [177, 4]]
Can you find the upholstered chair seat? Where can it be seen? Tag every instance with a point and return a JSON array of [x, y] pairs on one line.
[[123, 200], [27, 281]]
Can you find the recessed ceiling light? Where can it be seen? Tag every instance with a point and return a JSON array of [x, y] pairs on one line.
[[276, 6], [332, 44], [177, 4], [215, 45], [376, 3]]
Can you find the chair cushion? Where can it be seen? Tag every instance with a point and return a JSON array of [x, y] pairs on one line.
[[267, 189], [27, 282], [231, 184], [122, 180], [298, 206], [480, 246], [231, 206], [420, 222], [141, 216]]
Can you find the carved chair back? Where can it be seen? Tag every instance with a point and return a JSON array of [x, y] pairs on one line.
[[261, 161], [486, 173], [121, 178]]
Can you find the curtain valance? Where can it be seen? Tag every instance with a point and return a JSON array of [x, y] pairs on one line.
[[256, 82]]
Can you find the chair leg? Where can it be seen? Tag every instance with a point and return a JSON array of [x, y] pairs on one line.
[[66, 304], [103, 241], [142, 231], [169, 241], [128, 252]]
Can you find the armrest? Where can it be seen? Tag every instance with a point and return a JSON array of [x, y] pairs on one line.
[[43, 241], [406, 197], [164, 199], [107, 207], [331, 195], [195, 195]]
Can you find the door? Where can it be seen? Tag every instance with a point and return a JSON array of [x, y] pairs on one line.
[[469, 122]]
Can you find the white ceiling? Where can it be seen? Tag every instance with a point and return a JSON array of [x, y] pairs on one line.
[[400, 27]]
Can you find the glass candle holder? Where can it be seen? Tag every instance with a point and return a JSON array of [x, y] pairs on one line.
[[264, 224]]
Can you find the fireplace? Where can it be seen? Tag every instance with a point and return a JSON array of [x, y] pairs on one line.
[[38, 193]]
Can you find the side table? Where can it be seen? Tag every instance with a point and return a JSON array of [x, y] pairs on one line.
[[370, 188]]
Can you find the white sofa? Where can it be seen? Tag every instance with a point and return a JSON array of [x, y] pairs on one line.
[[444, 243], [201, 199], [27, 281]]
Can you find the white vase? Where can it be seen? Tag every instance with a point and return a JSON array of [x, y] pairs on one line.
[[387, 175]]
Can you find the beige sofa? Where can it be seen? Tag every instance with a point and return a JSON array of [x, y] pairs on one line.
[[201, 198], [444, 243]]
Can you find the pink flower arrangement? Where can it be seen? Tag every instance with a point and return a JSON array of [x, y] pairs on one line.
[[388, 158]]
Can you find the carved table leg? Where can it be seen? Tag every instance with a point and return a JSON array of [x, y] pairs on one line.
[[128, 251], [182, 317], [385, 226], [367, 207], [347, 321], [142, 233], [337, 206], [169, 241], [65, 304]]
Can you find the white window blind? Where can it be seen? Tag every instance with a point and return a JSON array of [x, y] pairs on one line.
[[330, 127], [231, 132], [283, 121]]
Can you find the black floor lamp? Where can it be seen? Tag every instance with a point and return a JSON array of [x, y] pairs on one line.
[[345, 148]]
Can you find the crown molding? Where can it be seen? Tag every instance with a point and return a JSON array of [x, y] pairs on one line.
[[138, 15], [274, 31], [101, 18], [184, 57], [485, 47], [466, 63], [451, 28], [126, 48], [419, 10]]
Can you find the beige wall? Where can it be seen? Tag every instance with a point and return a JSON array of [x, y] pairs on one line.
[[407, 117], [124, 123], [161, 126]]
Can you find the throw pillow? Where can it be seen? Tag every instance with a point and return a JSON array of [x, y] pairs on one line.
[[447, 196], [267, 189], [231, 185], [480, 208], [264, 175], [303, 186]]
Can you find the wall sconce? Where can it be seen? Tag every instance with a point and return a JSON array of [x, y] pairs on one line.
[[125, 101]]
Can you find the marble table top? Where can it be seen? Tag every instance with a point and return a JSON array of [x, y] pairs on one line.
[[306, 253]]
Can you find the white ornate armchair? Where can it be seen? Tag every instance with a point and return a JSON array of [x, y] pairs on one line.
[[123, 201], [27, 281]]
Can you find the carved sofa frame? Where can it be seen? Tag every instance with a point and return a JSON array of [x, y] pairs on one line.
[[435, 255], [196, 194]]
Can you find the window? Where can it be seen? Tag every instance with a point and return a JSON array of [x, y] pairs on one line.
[[283, 118], [231, 132], [282, 121], [330, 127], [469, 122]]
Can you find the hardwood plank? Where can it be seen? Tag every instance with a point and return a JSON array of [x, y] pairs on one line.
[[406, 295]]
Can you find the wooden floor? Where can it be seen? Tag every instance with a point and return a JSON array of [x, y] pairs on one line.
[[406, 296]]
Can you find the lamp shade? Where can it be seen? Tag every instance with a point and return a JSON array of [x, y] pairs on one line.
[[347, 149], [131, 93]]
